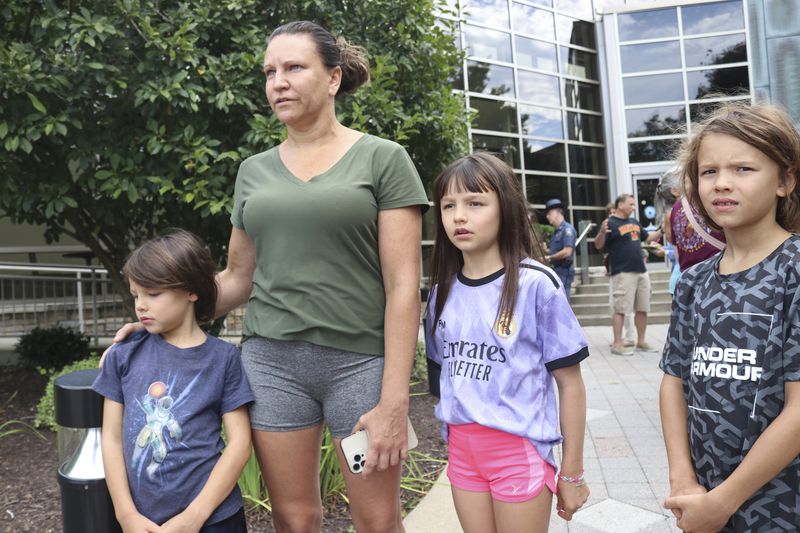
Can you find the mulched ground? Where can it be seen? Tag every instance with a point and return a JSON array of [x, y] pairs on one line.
[[29, 495]]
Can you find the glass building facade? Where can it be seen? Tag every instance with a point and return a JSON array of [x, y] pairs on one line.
[[588, 99]]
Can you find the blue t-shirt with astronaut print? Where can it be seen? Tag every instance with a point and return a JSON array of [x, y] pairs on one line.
[[174, 399]]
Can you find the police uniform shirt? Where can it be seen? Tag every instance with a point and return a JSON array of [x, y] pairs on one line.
[[563, 237]]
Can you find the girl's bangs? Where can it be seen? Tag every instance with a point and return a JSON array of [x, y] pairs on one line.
[[466, 180]]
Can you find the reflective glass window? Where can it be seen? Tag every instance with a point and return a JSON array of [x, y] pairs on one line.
[[713, 17], [536, 54], [573, 31], [494, 115], [429, 225], [539, 189], [488, 44], [541, 121], [534, 21], [538, 88], [659, 150], [581, 95], [457, 78], [446, 7], [488, 12], [506, 147], [596, 216], [732, 81], [699, 111], [648, 24], [651, 56], [589, 191], [544, 155], [579, 8], [490, 79], [587, 159], [653, 89], [579, 63], [545, 3], [582, 127], [715, 50], [648, 121]]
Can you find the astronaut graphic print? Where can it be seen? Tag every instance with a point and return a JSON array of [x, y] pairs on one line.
[[734, 341]]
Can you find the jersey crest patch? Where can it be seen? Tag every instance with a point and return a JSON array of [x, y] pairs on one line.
[[505, 326]]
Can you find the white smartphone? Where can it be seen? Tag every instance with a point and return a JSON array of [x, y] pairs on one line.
[[354, 448]]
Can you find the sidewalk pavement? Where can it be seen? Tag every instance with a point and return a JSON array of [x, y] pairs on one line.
[[624, 455]]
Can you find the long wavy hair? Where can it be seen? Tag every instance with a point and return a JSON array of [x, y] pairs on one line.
[[483, 172], [768, 129]]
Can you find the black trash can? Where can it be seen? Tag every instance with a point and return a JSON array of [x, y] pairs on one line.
[[85, 502]]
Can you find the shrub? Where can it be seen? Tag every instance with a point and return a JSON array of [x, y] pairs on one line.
[[46, 410], [52, 348]]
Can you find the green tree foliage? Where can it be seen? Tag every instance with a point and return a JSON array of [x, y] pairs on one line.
[[120, 118]]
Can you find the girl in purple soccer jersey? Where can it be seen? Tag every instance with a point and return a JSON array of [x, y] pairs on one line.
[[503, 334], [730, 396]]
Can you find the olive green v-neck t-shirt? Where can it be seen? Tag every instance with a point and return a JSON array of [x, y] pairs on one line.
[[318, 274]]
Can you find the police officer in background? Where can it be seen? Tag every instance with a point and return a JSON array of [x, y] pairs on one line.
[[561, 253]]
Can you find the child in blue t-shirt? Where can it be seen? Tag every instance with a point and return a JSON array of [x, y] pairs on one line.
[[501, 329], [168, 390]]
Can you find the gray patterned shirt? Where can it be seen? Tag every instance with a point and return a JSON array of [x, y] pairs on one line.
[[734, 340]]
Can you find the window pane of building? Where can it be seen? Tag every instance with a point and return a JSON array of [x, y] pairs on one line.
[[544, 155], [579, 63], [732, 81], [699, 111], [648, 24], [587, 159], [541, 121], [539, 189], [490, 79], [578, 8], [581, 95], [494, 115], [573, 31], [653, 89], [715, 50], [660, 150], [651, 56], [536, 54], [650, 121], [582, 127], [429, 225], [488, 44], [488, 12], [534, 21], [712, 17], [538, 88], [589, 191], [596, 216], [506, 147], [545, 3]]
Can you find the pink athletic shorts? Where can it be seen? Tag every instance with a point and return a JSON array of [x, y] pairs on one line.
[[483, 459]]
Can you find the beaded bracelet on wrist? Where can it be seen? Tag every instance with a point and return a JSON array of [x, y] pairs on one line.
[[578, 480]]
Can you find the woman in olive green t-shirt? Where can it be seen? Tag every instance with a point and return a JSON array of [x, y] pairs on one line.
[[325, 249]]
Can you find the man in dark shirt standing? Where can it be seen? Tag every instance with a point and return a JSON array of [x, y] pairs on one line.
[[561, 253], [622, 236]]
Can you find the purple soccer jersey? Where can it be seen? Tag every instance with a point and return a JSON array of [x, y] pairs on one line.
[[497, 372]]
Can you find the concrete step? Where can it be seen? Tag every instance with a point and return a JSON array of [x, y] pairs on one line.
[[656, 285], [579, 300], [580, 310], [605, 320]]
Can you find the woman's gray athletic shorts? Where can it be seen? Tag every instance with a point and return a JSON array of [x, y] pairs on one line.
[[298, 385]]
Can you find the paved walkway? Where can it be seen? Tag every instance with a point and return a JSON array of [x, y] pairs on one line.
[[625, 459]]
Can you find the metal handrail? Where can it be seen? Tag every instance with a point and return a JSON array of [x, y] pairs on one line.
[[42, 267], [583, 235]]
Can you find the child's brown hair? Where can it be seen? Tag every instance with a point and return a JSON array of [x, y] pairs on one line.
[[180, 261]]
